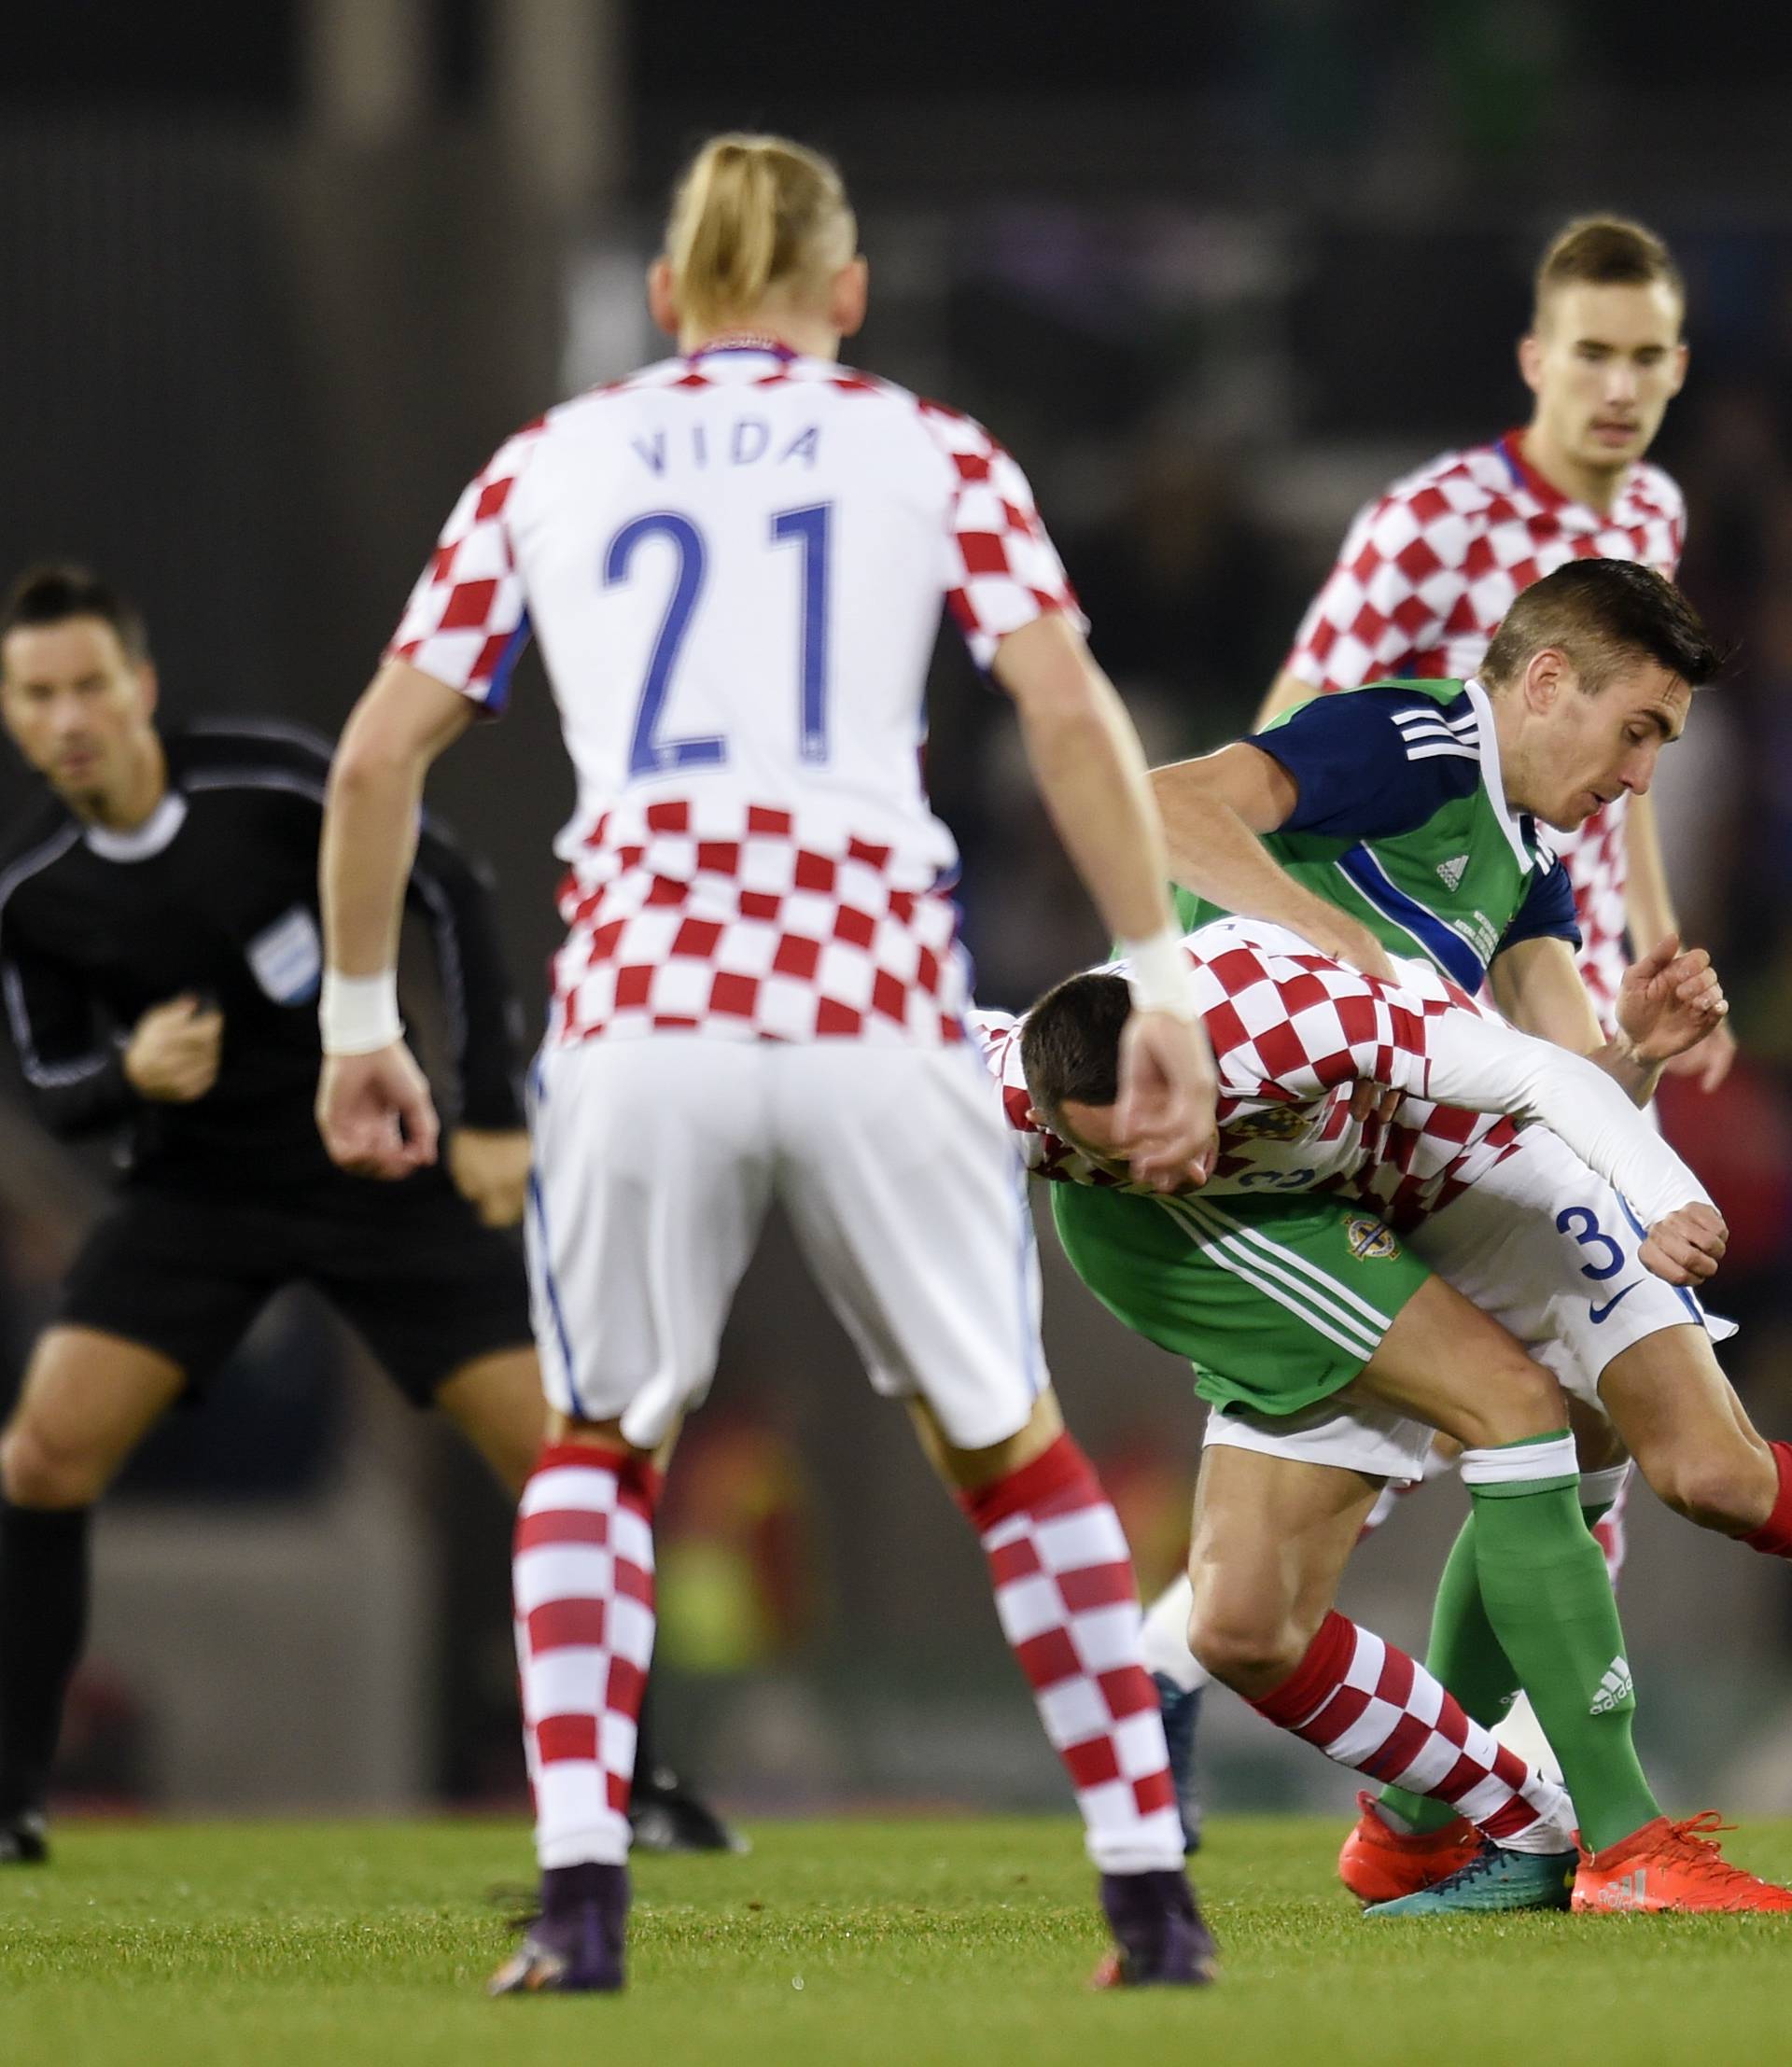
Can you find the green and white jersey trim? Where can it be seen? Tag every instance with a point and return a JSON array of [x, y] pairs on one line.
[[1328, 1306]]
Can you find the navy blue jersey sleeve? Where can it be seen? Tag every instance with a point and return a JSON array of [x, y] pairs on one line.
[[1547, 912], [1361, 773]]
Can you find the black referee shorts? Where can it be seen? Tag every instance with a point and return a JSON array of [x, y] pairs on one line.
[[410, 1266]]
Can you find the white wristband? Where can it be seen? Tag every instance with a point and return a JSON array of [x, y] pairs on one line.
[[1158, 975], [358, 1014]]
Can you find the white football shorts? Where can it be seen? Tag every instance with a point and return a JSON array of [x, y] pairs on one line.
[[1359, 1437], [657, 1161], [1549, 1251]]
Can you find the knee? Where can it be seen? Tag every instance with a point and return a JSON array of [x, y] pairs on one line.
[[1250, 1654], [1522, 1399], [37, 1473], [1727, 1485]]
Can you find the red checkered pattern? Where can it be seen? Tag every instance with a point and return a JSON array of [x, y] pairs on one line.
[[1428, 571], [717, 916], [1291, 1036], [1002, 570], [758, 896], [1070, 1608], [583, 1574], [1366, 1704], [466, 616]]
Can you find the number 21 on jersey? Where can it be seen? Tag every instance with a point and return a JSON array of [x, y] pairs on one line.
[[807, 528]]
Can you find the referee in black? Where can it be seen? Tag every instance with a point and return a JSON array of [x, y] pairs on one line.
[[160, 959]]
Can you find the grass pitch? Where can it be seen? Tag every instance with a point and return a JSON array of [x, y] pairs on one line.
[[910, 1942]]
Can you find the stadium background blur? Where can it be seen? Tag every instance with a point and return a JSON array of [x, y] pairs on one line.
[[277, 278]]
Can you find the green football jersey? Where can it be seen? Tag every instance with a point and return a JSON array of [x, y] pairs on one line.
[[1402, 821]]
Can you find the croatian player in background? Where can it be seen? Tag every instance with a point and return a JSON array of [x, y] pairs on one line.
[[735, 562], [1430, 568]]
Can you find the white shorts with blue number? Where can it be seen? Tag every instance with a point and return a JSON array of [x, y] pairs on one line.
[[1549, 1251]]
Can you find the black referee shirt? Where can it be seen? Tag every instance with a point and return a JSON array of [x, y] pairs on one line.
[[217, 894]]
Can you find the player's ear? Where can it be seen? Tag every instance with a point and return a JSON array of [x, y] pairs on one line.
[[1682, 352], [1531, 361], [1544, 676], [848, 293], [148, 688], [662, 297]]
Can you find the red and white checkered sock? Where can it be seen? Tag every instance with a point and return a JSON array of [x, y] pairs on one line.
[[583, 1576], [1370, 1707], [1069, 1608]]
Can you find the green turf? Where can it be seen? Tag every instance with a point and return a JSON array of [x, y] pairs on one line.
[[335, 1945]]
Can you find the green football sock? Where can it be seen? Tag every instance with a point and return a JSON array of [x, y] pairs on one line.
[[1466, 1655], [1548, 1601]]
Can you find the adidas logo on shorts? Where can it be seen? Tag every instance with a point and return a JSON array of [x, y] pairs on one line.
[[1615, 1689], [1451, 870]]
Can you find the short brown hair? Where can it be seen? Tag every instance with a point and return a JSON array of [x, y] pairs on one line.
[[1069, 1042], [1601, 613], [1606, 251], [54, 593]]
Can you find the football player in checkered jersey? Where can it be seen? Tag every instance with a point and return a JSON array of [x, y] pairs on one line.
[[735, 562], [1330, 1348], [1431, 566]]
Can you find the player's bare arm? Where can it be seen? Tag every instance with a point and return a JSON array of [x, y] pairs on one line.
[[373, 1105], [1669, 1002], [1091, 774], [1214, 810]]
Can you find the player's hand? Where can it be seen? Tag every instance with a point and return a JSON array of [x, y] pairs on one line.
[[1163, 1113], [172, 1053], [1351, 942], [491, 1171], [375, 1113], [1669, 1002], [1688, 1246], [1709, 1061]]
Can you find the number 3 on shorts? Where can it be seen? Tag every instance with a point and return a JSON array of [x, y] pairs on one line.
[[1589, 1233]]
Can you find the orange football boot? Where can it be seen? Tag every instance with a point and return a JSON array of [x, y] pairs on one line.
[[1380, 1865], [1670, 1866]]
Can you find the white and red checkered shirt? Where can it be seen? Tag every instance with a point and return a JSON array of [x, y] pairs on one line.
[[1294, 1032], [735, 563], [1427, 572]]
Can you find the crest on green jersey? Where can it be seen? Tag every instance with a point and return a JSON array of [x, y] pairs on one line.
[[1369, 1240]]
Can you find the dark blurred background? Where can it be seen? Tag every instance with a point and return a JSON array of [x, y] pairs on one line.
[[277, 279]]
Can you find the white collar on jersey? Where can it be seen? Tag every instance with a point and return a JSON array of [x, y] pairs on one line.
[[155, 832], [745, 340], [1492, 776]]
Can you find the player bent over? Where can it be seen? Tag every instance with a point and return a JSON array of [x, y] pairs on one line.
[[1330, 1352], [1405, 815], [736, 561]]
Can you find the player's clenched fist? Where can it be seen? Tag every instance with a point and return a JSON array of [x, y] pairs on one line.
[[173, 1053], [1688, 1246], [1164, 1113], [375, 1113]]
